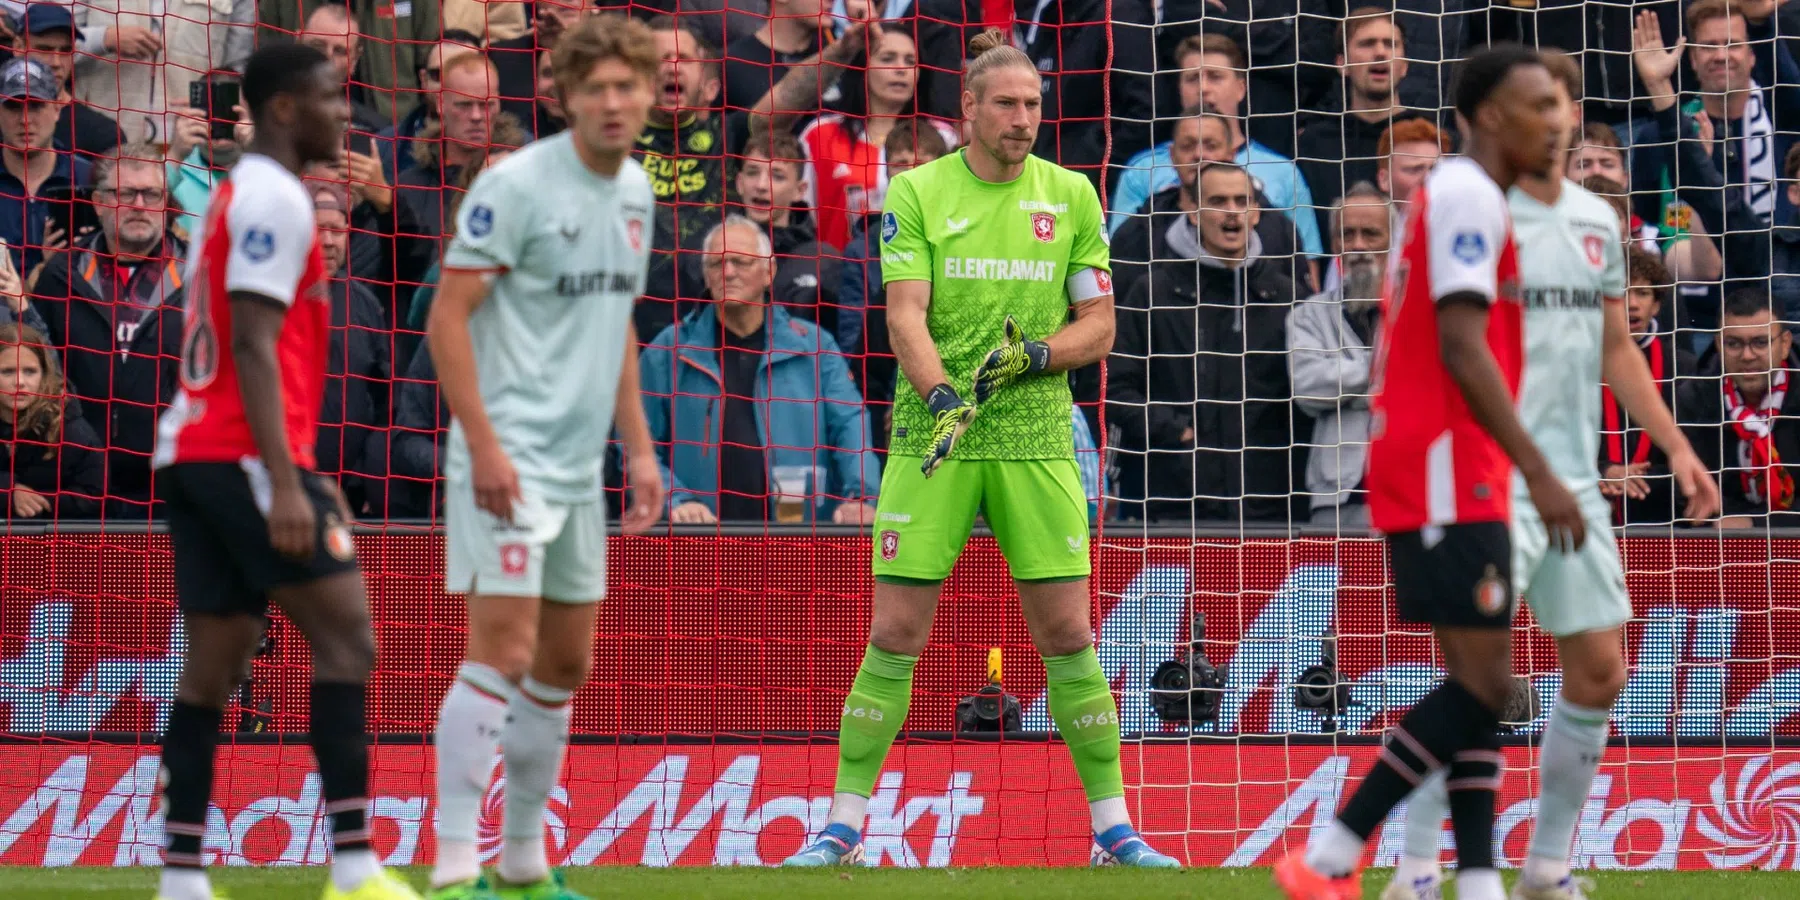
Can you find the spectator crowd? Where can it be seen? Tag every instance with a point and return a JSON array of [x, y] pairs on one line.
[[1256, 168]]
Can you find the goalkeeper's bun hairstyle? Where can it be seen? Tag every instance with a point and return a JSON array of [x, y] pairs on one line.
[[989, 51]]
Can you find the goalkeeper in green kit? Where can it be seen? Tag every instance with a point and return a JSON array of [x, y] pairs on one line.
[[982, 251]]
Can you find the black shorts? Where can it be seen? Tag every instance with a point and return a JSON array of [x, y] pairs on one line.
[[1464, 578], [224, 563]]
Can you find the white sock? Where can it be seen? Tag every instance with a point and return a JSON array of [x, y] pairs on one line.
[[184, 884], [1335, 851], [351, 868], [532, 744], [1479, 884], [849, 809], [1426, 809], [1107, 813], [1412, 869], [468, 735], [1574, 740]]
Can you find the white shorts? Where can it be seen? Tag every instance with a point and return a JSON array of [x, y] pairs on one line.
[[552, 550], [1570, 593]]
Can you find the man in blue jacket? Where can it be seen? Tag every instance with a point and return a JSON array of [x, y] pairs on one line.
[[747, 403]]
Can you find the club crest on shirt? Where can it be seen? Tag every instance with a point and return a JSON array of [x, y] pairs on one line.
[[513, 559], [1490, 593], [890, 545], [259, 244], [481, 220], [1469, 247], [634, 232], [337, 539], [1043, 227], [1595, 246]]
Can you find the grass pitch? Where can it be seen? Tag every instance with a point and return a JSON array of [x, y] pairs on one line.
[[875, 884]]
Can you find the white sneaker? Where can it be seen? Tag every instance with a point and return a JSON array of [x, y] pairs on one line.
[[1422, 887], [1569, 888]]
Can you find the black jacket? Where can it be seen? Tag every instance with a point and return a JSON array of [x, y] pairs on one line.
[[70, 473], [686, 165], [124, 385], [1701, 405], [1094, 77], [357, 385], [1143, 239], [416, 452], [1204, 346]]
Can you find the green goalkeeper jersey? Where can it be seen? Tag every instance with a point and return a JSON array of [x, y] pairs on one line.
[[992, 250]]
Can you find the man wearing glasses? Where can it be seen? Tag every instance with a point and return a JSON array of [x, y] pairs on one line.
[[111, 305]]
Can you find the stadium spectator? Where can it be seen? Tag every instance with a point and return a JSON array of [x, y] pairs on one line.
[[776, 386], [1200, 138], [1217, 63], [517, 59], [1331, 340], [1784, 249], [396, 141], [467, 114], [1407, 151], [1098, 59], [1746, 425], [415, 451], [1634, 471], [682, 149], [1640, 235], [32, 167], [46, 33], [1435, 33], [50, 464], [844, 148], [357, 381], [1341, 146], [771, 191], [198, 161], [111, 305], [862, 317], [1197, 381], [200, 36], [794, 31], [549, 112], [331, 29], [405, 31], [1746, 128], [119, 49], [1599, 153]]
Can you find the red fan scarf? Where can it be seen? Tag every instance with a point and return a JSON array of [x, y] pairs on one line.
[[1759, 464]]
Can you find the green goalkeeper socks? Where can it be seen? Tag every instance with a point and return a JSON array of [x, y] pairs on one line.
[[873, 711], [1081, 703]]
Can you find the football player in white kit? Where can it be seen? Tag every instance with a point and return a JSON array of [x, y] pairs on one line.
[[533, 339], [1573, 274]]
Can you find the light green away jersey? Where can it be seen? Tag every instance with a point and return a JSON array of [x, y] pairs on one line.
[[990, 251], [1571, 258], [568, 250]]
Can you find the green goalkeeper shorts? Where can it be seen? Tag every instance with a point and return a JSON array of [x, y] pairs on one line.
[[1035, 508]]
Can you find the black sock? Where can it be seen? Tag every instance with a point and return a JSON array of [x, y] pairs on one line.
[[340, 744], [1474, 782], [188, 746], [1447, 720]]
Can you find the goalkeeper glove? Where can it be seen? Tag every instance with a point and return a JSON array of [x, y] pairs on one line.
[[1015, 358], [950, 417]]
